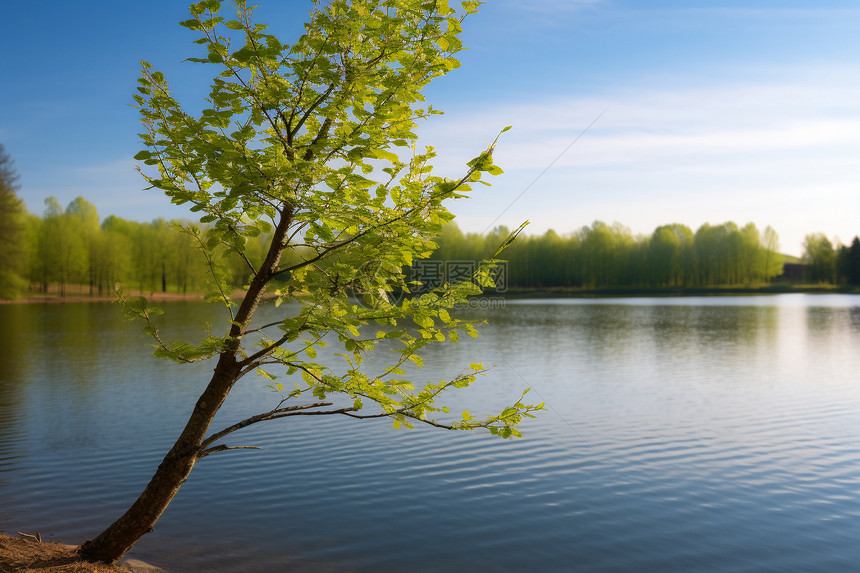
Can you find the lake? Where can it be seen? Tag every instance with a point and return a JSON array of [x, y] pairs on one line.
[[682, 434]]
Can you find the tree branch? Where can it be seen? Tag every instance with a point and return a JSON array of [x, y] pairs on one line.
[[270, 415], [259, 328], [295, 130], [322, 134], [348, 412], [259, 354], [223, 448], [326, 249]]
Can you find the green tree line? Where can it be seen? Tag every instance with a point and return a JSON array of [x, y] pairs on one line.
[[829, 263], [72, 246], [607, 256]]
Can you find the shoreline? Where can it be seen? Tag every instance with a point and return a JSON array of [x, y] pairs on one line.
[[52, 299], [512, 293], [22, 554], [578, 292]]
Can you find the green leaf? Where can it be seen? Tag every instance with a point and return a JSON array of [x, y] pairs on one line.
[[265, 374], [303, 165]]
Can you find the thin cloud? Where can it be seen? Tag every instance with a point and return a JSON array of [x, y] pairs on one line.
[[552, 6], [773, 150], [551, 13], [114, 187], [121, 168], [645, 124]]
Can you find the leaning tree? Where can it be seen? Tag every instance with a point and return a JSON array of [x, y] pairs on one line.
[[313, 145]]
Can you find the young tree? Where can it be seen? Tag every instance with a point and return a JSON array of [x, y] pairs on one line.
[[848, 262], [820, 258], [664, 256], [187, 270], [773, 261], [853, 267], [61, 247], [85, 222], [13, 232], [749, 254], [299, 141]]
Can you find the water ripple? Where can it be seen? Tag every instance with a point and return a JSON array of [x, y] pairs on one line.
[[685, 435]]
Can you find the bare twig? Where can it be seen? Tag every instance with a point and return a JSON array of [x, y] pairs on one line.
[[223, 448], [270, 415], [37, 538]]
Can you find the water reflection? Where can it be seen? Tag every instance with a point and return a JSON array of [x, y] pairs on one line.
[[13, 381], [707, 435], [613, 330], [854, 318]]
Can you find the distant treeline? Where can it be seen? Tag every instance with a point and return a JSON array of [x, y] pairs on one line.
[[72, 247], [608, 256], [826, 263]]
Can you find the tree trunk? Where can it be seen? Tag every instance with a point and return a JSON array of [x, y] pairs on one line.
[[116, 540], [140, 519]]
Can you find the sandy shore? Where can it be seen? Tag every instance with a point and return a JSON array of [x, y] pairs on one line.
[[55, 298], [26, 555]]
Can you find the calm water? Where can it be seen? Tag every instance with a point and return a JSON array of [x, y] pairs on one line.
[[695, 434]]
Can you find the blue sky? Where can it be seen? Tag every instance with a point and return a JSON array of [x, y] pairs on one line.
[[706, 111]]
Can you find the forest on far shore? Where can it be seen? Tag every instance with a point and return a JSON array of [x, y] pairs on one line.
[[72, 247], [603, 256]]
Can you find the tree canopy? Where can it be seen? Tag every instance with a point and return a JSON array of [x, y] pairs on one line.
[[314, 143]]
